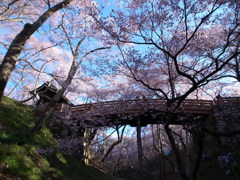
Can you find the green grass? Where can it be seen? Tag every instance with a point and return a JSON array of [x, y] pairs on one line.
[[18, 155]]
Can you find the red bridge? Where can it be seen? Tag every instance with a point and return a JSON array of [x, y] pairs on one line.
[[149, 111]]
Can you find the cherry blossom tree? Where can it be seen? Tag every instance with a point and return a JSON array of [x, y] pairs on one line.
[[233, 67], [77, 29], [164, 49], [177, 48], [36, 20]]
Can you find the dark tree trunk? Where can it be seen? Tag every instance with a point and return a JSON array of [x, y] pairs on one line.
[[38, 125], [48, 111], [139, 146], [176, 151], [199, 151], [80, 153], [11, 57]]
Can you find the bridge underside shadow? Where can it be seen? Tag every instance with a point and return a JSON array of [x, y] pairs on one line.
[[150, 117]]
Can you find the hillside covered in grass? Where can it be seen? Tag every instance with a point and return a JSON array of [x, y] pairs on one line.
[[18, 149]]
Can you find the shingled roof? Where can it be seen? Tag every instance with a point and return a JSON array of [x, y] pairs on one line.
[[49, 90]]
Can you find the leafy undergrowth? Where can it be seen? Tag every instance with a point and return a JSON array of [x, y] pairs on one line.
[[19, 158]]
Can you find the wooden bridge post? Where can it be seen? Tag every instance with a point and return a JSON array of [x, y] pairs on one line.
[[139, 146]]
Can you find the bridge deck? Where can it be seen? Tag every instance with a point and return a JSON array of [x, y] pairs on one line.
[[135, 106], [142, 107]]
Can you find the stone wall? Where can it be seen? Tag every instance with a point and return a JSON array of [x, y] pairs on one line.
[[58, 127], [227, 119]]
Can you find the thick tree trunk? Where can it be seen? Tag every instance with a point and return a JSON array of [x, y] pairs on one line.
[[194, 153], [10, 60], [11, 57], [176, 152]]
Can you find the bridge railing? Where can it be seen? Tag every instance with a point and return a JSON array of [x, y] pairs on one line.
[[145, 104], [227, 100], [196, 106], [61, 107], [141, 105], [129, 105]]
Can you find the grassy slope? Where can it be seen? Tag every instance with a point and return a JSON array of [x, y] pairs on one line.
[[18, 156]]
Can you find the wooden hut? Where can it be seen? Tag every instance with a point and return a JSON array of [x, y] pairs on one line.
[[45, 94]]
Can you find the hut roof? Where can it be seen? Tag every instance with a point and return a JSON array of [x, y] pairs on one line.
[[49, 90]]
